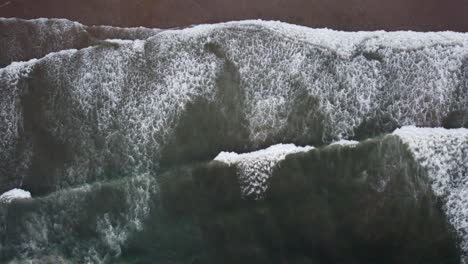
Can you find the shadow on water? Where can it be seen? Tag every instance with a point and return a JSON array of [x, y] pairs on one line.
[[209, 126]]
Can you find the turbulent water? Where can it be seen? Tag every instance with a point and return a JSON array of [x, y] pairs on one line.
[[147, 149]]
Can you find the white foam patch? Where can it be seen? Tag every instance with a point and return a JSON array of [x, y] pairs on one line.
[[352, 74], [11, 117], [14, 194], [255, 168], [119, 41], [344, 142], [444, 154]]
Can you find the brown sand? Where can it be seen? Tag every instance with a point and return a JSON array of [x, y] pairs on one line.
[[422, 15]]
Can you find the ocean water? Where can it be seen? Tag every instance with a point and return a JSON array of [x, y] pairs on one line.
[[241, 142]]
